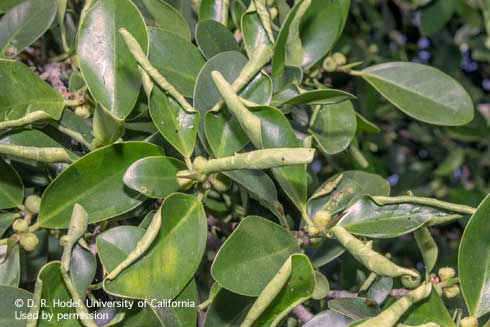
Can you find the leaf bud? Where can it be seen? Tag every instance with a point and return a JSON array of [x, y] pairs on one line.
[[339, 59], [82, 111], [451, 291], [446, 273], [32, 203], [329, 64], [29, 241], [20, 226], [322, 218], [468, 322]]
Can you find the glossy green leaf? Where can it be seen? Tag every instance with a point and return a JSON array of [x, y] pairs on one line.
[[298, 288], [155, 177], [109, 69], [324, 252], [288, 49], [214, 9], [82, 268], [276, 132], [24, 24], [114, 245], [324, 97], [356, 308], [432, 309], [329, 318], [224, 135], [436, 15], [435, 98], [175, 58], [260, 186], [252, 255], [320, 27], [351, 187], [474, 261], [334, 127], [253, 31], [158, 13], [176, 125], [11, 187], [99, 180], [367, 218], [10, 268], [8, 307], [214, 38], [54, 289], [177, 251], [24, 94], [227, 309]]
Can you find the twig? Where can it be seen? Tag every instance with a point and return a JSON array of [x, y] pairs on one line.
[[302, 314]]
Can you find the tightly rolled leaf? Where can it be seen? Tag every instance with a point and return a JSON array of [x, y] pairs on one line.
[[260, 159]]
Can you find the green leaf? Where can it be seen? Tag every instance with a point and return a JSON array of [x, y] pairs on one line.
[[214, 9], [54, 289], [175, 58], [367, 218], [155, 177], [214, 38], [172, 258], [436, 15], [109, 69], [7, 4], [328, 318], [335, 127], [82, 269], [114, 245], [252, 255], [176, 125], [324, 97], [98, 177], [228, 309], [320, 27], [8, 307], [276, 132], [10, 268], [431, 309], [435, 98], [352, 186], [6, 219], [324, 252], [24, 24], [158, 13], [253, 31], [224, 135], [356, 308], [24, 94], [260, 186], [288, 48], [11, 187], [474, 261], [298, 288], [427, 247]]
